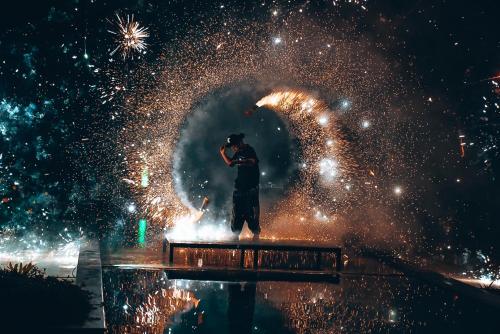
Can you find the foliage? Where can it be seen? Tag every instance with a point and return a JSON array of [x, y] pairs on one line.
[[28, 270], [31, 300]]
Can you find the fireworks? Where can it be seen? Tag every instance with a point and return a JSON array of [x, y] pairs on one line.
[[57, 256], [318, 97], [360, 107], [130, 36]]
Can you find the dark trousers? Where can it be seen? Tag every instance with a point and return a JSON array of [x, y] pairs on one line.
[[246, 208]]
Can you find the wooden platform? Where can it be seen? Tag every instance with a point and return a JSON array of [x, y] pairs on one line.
[[256, 246]]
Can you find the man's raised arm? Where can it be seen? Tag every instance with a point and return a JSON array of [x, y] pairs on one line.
[[224, 156]]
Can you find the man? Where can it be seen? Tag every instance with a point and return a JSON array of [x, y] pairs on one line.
[[246, 186]]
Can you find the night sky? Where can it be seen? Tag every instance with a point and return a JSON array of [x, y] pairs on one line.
[[70, 110]]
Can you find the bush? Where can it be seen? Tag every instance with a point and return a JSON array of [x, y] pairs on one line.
[[30, 299]]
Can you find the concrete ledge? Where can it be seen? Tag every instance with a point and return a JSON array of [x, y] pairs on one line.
[[89, 278]]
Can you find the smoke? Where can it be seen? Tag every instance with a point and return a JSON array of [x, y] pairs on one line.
[[349, 189], [199, 170]]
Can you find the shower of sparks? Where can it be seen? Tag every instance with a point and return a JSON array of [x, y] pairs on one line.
[[332, 171], [130, 36], [300, 110], [360, 3], [55, 256]]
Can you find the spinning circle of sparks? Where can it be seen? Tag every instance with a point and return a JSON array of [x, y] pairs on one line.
[[301, 111], [333, 175], [130, 36]]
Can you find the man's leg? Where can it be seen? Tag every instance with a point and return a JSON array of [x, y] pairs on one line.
[[238, 217], [254, 213]]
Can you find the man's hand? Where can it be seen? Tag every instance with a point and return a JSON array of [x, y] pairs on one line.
[[222, 151]]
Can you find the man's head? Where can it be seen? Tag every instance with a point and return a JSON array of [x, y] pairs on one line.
[[235, 141]]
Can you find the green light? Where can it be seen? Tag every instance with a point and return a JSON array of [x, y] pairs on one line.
[[145, 177], [142, 232]]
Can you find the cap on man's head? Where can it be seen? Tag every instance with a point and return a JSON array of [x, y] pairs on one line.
[[234, 139]]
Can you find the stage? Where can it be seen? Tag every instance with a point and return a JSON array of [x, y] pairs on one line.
[[290, 260], [256, 246]]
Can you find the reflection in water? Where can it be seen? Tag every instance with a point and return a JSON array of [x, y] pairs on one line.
[[141, 301], [143, 305], [152, 314], [352, 307], [241, 302]]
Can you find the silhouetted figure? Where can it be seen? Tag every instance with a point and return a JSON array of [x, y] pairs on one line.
[[246, 186], [241, 303]]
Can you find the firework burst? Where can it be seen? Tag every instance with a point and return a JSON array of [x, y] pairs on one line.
[[130, 36]]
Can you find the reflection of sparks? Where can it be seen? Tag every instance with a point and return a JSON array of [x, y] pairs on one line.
[[158, 306], [153, 304], [151, 310], [130, 36]]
